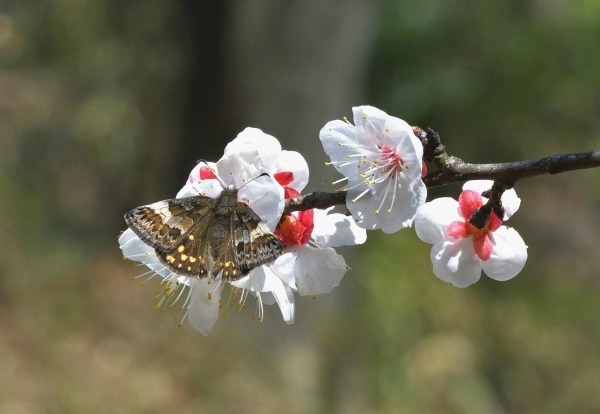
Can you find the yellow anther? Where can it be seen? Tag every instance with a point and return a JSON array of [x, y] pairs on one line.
[[389, 211], [376, 212]]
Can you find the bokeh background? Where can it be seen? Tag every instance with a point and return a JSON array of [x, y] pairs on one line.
[[107, 105]]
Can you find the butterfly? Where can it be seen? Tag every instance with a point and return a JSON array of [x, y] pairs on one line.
[[200, 236]]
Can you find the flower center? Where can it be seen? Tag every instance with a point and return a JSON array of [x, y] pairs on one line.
[[475, 232], [295, 229], [390, 160]]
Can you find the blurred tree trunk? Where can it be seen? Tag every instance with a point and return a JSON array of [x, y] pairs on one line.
[[285, 67], [204, 28]]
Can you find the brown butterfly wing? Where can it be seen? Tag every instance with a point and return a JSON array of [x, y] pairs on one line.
[[191, 257], [164, 225], [251, 245], [197, 236]]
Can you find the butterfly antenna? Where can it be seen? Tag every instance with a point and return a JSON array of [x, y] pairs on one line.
[[214, 172], [255, 178]]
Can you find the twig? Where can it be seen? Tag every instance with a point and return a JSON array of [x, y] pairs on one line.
[[452, 169]]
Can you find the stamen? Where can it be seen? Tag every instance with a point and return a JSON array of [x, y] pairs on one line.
[[394, 193], [387, 189], [360, 195]]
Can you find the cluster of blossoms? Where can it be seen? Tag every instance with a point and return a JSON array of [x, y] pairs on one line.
[[381, 161], [309, 264]]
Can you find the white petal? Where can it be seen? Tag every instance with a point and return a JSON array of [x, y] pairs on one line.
[[286, 301], [268, 298], [370, 111], [339, 140], [411, 150], [204, 312], [371, 122], [318, 270], [479, 186], [265, 197], [510, 200], [456, 262], [255, 147], [263, 279], [283, 267], [433, 219], [294, 162], [409, 196], [509, 255], [334, 230], [236, 169], [209, 188], [135, 249]]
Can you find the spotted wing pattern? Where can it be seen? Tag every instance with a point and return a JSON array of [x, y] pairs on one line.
[[250, 244], [164, 225], [199, 236]]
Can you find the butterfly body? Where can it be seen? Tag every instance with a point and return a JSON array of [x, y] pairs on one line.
[[201, 236]]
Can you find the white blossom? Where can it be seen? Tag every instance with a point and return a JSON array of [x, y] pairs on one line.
[[381, 160]]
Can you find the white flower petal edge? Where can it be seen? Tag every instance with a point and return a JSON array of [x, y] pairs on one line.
[[263, 280], [510, 200], [509, 254], [203, 310], [403, 203], [209, 188], [336, 135], [265, 197], [256, 148], [434, 217], [456, 262], [134, 248], [317, 270], [294, 162], [335, 229]]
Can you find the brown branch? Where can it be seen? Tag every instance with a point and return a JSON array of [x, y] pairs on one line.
[[452, 169], [318, 199]]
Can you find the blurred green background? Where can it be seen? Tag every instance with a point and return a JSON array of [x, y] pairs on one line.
[[107, 105]]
